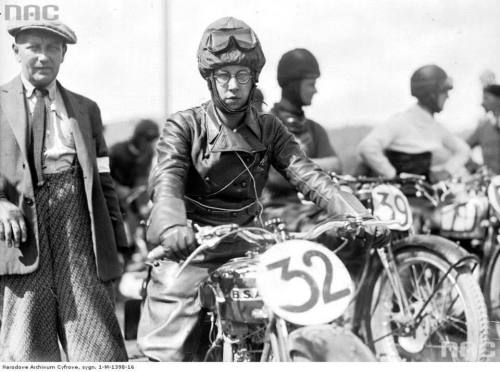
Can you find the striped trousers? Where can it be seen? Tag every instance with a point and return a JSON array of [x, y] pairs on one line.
[[63, 303]]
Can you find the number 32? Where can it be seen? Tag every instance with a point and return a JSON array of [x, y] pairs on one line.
[[288, 275]]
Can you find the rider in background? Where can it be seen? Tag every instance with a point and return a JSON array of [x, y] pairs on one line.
[[298, 71], [213, 161], [130, 163], [413, 141], [487, 133]]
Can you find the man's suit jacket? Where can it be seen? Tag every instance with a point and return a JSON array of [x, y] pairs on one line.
[[17, 186]]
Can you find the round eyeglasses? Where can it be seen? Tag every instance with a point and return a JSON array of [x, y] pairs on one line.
[[223, 77]]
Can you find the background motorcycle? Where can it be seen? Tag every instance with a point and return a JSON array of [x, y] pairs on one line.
[[468, 211], [439, 312]]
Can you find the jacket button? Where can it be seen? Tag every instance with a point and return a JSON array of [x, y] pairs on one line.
[[207, 179], [244, 184], [234, 214], [28, 202]]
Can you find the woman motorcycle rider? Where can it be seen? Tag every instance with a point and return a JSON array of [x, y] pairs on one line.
[[413, 141], [213, 162]]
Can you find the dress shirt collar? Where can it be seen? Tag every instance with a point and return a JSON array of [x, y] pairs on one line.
[[30, 88]]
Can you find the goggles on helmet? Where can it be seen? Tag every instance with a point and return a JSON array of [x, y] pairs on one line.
[[220, 40]]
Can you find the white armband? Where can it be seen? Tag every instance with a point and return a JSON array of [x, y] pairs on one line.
[[103, 164]]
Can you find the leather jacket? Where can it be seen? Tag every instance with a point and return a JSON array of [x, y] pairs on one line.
[[213, 175]]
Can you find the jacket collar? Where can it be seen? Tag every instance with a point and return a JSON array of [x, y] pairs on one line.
[[15, 111], [13, 106], [221, 138]]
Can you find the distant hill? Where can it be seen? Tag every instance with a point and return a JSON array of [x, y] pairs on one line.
[[345, 141]]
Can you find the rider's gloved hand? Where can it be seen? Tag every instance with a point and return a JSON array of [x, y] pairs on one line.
[[376, 233], [177, 243]]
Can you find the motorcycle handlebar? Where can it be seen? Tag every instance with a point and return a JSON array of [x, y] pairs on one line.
[[433, 193], [210, 237], [401, 178]]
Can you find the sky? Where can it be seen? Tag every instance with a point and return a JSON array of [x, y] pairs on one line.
[[119, 59], [137, 58], [366, 49]]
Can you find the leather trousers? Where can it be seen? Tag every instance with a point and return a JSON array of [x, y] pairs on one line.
[[171, 308]]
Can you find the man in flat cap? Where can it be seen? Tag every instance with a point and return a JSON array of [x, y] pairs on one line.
[[60, 224], [487, 132]]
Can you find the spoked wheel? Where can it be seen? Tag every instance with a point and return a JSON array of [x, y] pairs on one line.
[[446, 317], [492, 294]]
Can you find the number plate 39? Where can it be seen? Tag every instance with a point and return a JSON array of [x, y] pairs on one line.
[[304, 283], [391, 205]]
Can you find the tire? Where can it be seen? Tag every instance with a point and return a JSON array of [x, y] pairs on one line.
[[454, 326], [492, 293]]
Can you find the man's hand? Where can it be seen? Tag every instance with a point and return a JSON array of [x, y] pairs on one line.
[[12, 226], [176, 244]]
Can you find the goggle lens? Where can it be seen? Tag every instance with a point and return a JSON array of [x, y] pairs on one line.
[[220, 39]]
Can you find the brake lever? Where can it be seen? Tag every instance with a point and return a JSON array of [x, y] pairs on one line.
[[209, 243]]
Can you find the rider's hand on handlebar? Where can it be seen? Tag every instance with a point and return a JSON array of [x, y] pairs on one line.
[[376, 233], [176, 244]]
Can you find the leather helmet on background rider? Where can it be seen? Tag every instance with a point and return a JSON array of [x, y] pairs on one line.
[[229, 41], [146, 129], [294, 66], [427, 83]]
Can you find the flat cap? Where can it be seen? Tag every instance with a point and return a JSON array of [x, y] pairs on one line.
[[55, 27]]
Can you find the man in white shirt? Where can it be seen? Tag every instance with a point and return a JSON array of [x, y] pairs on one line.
[[413, 141]]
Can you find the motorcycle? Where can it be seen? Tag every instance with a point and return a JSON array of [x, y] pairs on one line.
[[415, 300], [468, 211], [255, 315], [420, 317]]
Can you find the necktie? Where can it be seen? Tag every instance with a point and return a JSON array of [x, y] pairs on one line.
[[38, 124]]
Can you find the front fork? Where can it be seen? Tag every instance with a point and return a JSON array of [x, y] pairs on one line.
[[276, 341], [389, 264]]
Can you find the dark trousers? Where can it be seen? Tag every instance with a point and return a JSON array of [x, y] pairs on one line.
[[63, 300]]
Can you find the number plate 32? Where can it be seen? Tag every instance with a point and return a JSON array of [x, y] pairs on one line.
[[391, 205], [303, 282]]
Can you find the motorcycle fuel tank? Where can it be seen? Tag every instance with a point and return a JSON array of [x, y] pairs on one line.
[[234, 286]]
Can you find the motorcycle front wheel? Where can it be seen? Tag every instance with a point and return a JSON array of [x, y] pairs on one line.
[[492, 293], [446, 317]]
